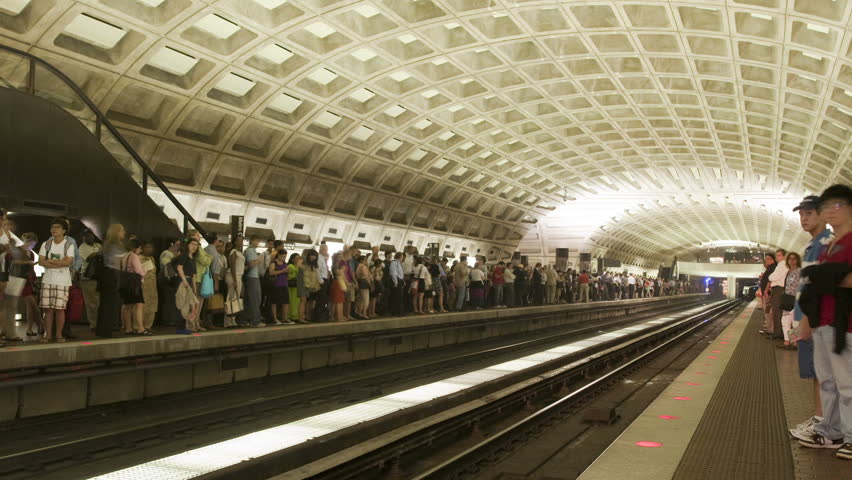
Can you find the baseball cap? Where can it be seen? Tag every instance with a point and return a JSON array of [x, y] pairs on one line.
[[811, 202]]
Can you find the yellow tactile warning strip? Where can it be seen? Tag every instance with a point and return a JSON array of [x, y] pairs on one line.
[[652, 446]]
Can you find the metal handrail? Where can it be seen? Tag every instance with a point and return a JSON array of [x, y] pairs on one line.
[[101, 120]]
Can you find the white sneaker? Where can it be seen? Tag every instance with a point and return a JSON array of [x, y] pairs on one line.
[[288, 322], [259, 325], [805, 430]]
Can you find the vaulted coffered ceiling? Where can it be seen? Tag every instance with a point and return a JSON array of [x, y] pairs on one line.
[[474, 118]]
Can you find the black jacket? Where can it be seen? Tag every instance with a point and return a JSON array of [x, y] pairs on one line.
[[765, 278], [825, 279]]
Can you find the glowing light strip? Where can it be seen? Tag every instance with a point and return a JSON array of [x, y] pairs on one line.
[[203, 460]]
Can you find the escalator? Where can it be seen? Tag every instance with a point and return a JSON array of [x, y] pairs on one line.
[[60, 155]]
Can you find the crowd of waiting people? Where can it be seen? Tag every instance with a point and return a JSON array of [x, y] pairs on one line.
[[807, 303], [123, 286]]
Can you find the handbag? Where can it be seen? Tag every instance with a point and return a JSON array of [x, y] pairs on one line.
[[129, 283], [233, 306], [363, 284], [15, 286], [788, 302], [207, 285], [216, 303]]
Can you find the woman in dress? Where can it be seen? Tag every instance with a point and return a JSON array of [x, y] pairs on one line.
[[187, 299], [310, 271], [365, 284], [417, 285], [377, 273], [337, 294], [167, 284], [791, 287], [293, 268], [132, 298], [279, 295], [234, 277], [149, 287]]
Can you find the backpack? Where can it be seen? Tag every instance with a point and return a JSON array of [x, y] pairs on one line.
[[95, 267], [68, 241]]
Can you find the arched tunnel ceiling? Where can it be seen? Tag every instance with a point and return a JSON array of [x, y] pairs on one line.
[[474, 117]]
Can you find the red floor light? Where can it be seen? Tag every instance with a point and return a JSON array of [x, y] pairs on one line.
[[668, 417], [86, 343], [712, 358], [683, 398], [649, 444], [196, 334], [693, 384], [724, 343], [717, 351], [701, 373]]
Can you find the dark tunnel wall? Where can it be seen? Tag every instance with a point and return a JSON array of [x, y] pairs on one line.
[[50, 164]]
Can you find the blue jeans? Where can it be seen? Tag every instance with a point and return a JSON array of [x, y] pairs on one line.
[[498, 294], [834, 372], [460, 294], [252, 301]]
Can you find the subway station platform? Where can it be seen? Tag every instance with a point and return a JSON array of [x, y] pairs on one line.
[[726, 416], [98, 372]]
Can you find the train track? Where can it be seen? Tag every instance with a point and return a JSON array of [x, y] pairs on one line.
[[386, 455], [60, 457]]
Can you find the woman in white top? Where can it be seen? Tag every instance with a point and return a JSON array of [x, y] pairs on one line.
[[477, 287], [234, 277], [419, 279], [509, 285]]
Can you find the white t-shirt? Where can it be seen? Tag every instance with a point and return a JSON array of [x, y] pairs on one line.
[[57, 276], [477, 275]]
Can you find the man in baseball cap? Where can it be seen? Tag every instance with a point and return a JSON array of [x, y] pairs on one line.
[[811, 222]]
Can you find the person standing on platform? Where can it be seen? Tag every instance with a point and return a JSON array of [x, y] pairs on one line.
[[408, 271], [56, 256], [508, 287], [252, 284], [827, 304], [763, 291], [310, 272], [21, 264], [279, 294], [133, 299], [167, 281], [551, 277], [776, 291], [234, 278], [821, 237], [149, 286], [583, 280], [791, 287], [202, 263], [89, 286], [397, 280], [498, 282], [461, 274], [186, 299], [296, 286]]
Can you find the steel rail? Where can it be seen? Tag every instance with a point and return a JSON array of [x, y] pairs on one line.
[[216, 414], [451, 467], [324, 447]]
